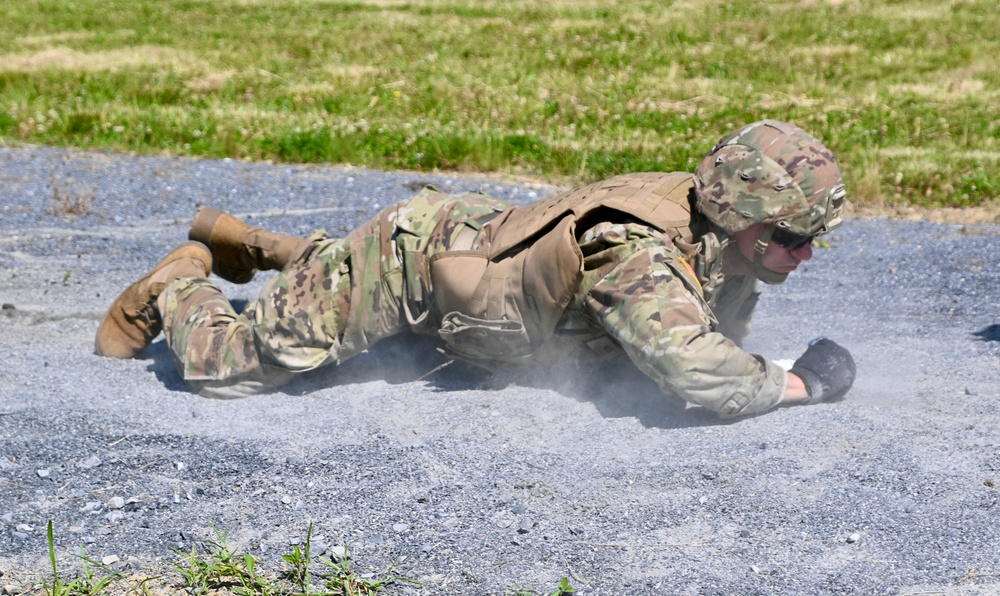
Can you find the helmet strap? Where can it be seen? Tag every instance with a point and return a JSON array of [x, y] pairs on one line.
[[757, 265]]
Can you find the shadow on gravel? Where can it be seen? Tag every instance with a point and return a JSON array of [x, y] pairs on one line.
[[617, 389], [990, 333]]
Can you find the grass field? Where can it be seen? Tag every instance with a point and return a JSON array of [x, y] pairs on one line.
[[906, 92]]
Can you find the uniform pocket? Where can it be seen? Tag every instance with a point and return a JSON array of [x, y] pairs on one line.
[[481, 339]]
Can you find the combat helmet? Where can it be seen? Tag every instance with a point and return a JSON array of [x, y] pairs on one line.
[[771, 173]]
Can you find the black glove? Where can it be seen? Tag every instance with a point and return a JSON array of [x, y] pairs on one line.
[[827, 370]]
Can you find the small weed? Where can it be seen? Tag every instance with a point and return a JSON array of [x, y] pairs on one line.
[[67, 203], [222, 568], [563, 589], [343, 581], [85, 583], [299, 561]]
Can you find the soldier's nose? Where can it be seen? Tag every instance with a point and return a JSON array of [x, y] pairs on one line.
[[804, 252]]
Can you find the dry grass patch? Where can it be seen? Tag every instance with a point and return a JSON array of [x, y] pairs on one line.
[[931, 11], [54, 38], [924, 157], [351, 71], [827, 53], [210, 82], [68, 199], [947, 90], [61, 58]]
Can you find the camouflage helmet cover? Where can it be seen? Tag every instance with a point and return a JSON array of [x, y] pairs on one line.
[[771, 172]]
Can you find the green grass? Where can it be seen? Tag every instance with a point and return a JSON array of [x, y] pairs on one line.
[[906, 92], [215, 568], [88, 581]]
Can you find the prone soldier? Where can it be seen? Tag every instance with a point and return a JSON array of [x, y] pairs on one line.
[[661, 266]]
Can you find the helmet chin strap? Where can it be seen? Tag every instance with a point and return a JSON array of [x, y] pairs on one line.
[[757, 265]]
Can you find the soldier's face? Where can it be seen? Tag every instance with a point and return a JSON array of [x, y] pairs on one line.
[[776, 258]]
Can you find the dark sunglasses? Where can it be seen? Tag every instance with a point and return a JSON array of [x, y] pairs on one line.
[[789, 240]]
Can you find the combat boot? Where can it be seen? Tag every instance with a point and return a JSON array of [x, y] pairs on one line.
[[133, 320], [238, 250]]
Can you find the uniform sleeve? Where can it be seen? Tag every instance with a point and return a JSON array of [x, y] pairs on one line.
[[653, 308]]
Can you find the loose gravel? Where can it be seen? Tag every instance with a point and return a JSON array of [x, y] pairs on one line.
[[477, 484]]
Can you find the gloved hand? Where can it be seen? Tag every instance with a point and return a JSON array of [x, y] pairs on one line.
[[827, 369]]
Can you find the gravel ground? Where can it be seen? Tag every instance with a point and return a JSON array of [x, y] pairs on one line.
[[477, 484]]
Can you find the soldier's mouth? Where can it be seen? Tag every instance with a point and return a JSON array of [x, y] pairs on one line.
[[788, 268]]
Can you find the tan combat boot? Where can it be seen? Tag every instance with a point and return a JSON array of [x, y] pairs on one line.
[[239, 250], [133, 320]]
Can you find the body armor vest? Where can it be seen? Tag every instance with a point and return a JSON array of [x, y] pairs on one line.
[[502, 298]]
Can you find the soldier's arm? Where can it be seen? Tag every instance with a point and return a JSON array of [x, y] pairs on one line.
[[654, 310]]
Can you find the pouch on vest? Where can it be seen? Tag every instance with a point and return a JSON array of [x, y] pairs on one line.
[[530, 287], [480, 339]]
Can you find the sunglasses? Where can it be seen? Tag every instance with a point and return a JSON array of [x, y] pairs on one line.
[[789, 240]]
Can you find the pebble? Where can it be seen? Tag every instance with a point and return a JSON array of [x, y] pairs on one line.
[[23, 528], [337, 551], [401, 527], [853, 538], [116, 503], [744, 533], [286, 500], [110, 560], [91, 462], [10, 589], [43, 473]]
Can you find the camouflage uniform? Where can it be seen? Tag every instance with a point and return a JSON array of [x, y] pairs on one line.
[[635, 292]]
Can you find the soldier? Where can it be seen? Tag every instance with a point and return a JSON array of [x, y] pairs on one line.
[[661, 266]]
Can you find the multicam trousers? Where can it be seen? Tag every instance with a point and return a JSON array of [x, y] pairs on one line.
[[338, 299]]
